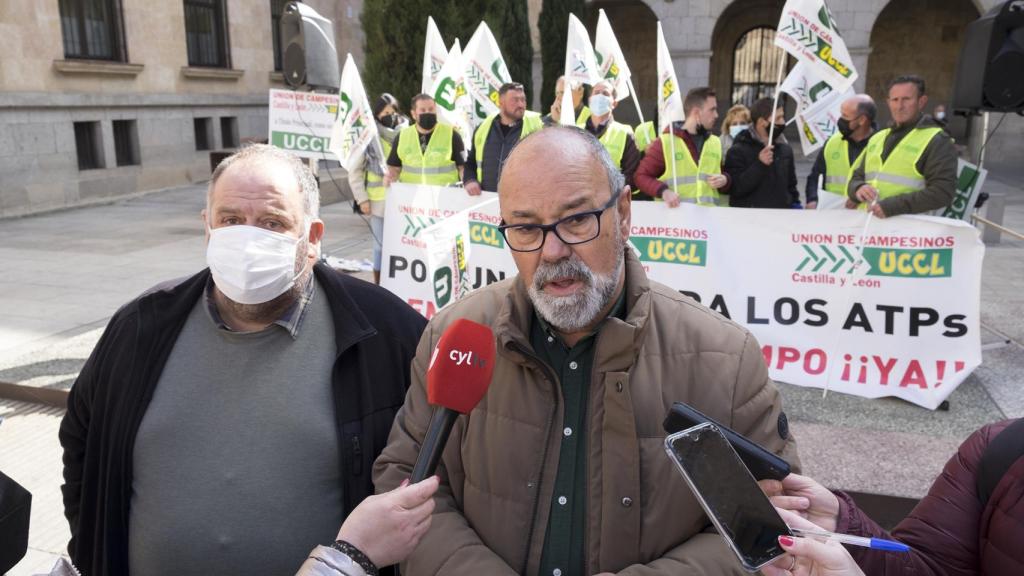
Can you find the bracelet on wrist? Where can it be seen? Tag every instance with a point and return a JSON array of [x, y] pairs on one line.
[[357, 556]]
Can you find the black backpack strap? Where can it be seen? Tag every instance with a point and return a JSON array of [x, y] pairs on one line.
[[1001, 452]]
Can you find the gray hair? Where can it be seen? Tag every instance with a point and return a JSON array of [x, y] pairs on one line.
[[260, 153], [615, 178]]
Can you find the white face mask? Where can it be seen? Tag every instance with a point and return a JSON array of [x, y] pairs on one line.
[[251, 265], [735, 129], [600, 104]]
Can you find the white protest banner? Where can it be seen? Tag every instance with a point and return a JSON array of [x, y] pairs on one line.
[[808, 31], [434, 55], [908, 326], [969, 180], [817, 106], [410, 210], [449, 249], [610, 61], [355, 128], [454, 104], [485, 72], [670, 101], [301, 122]]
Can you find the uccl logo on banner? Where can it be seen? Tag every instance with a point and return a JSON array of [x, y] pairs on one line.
[[485, 234], [671, 250], [889, 262]]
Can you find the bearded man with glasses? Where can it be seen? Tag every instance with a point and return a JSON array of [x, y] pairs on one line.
[[560, 469]]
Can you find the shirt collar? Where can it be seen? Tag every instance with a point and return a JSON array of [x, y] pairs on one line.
[[290, 320]]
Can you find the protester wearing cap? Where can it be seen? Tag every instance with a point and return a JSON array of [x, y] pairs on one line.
[[909, 168]]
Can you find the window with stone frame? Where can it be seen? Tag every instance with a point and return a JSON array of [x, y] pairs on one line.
[[206, 33], [93, 30]]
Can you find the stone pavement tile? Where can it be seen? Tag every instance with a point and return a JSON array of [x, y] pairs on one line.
[[1002, 376], [872, 461], [30, 454]]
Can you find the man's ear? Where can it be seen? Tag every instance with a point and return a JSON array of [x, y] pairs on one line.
[[625, 208]]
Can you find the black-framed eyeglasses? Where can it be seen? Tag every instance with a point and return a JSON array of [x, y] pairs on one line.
[[573, 229]]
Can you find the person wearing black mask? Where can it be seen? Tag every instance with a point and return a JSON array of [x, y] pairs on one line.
[[427, 153], [366, 179], [841, 153], [762, 175]]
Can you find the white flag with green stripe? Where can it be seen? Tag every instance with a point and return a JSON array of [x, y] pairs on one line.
[[610, 61], [485, 72], [454, 104], [354, 129], [808, 31], [670, 101], [434, 55]]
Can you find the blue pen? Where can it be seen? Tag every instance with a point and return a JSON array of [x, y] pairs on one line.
[[873, 543]]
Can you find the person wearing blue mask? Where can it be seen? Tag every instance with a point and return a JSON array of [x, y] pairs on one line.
[[226, 423], [737, 119], [617, 137]]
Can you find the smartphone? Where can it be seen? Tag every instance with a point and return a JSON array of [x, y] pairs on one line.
[[763, 464], [729, 494]]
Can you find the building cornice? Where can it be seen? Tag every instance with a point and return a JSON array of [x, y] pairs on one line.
[[97, 68]]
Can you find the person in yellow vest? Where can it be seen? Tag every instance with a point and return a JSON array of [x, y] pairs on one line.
[[496, 137], [428, 152], [644, 134], [616, 137], [581, 111], [909, 168], [694, 175], [366, 179], [842, 151]]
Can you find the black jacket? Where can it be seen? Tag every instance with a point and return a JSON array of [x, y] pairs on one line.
[[755, 185], [376, 336], [498, 143]]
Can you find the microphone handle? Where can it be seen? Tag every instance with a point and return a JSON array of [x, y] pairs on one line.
[[441, 423]]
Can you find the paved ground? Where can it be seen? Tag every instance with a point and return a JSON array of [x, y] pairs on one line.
[[65, 273]]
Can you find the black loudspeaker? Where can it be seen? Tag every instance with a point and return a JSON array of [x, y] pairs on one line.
[[990, 73], [15, 505], [310, 56]]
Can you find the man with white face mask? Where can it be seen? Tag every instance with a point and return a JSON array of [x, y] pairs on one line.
[[616, 137], [226, 423], [561, 469]]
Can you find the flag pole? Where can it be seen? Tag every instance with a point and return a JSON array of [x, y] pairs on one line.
[[775, 104], [632, 93]]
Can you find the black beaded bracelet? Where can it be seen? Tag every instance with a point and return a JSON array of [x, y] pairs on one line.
[[357, 556]]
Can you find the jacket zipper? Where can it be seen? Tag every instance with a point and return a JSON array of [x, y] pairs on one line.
[[543, 456]]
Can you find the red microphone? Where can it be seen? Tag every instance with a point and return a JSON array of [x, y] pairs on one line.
[[457, 379]]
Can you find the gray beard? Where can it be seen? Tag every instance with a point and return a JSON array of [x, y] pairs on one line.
[[268, 312], [575, 312]]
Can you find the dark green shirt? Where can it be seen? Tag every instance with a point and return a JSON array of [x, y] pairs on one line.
[[564, 551]]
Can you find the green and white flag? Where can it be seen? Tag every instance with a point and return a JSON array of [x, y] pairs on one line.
[[670, 101], [580, 67], [817, 106], [454, 105], [355, 130], [610, 61], [808, 31], [485, 72], [434, 55]]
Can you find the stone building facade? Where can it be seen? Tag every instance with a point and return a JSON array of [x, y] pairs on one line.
[[104, 98], [886, 38], [146, 113]]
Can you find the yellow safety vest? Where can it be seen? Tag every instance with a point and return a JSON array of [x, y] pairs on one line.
[[531, 123], [614, 140], [433, 166], [685, 177], [581, 122], [898, 173], [375, 182], [645, 134], [837, 164]]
